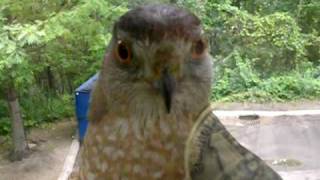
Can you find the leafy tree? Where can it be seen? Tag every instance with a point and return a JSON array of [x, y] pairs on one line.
[[16, 72], [56, 43]]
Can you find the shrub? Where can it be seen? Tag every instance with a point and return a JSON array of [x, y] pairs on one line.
[[242, 82]]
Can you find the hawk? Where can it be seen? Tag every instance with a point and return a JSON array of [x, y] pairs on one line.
[[154, 82]]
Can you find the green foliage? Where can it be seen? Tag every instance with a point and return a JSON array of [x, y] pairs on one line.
[[4, 120], [39, 109], [51, 46], [135, 3], [12, 56], [46, 108], [85, 32], [274, 41], [5, 126], [243, 83], [263, 50], [62, 40], [280, 88], [235, 75]]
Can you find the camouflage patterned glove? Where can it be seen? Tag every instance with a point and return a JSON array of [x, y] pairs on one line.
[[212, 153]]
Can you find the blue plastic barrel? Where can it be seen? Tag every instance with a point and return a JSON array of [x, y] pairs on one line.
[[82, 94], [82, 103]]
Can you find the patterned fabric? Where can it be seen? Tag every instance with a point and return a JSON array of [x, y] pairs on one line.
[[212, 153]]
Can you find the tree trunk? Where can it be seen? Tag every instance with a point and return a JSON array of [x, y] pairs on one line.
[[71, 90], [18, 135], [50, 77]]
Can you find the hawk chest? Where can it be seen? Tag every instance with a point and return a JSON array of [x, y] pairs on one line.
[[124, 148]]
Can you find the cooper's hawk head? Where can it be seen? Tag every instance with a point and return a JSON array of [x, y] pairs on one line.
[[157, 62], [154, 83]]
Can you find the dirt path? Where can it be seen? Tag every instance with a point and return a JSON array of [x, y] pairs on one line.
[[49, 149]]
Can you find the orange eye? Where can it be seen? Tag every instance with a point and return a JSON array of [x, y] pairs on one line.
[[123, 52], [198, 48]]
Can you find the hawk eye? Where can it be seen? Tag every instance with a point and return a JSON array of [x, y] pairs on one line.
[[198, 48], [123, 52]]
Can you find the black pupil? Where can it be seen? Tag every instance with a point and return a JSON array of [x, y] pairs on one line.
[[123, 51], [199, 47]]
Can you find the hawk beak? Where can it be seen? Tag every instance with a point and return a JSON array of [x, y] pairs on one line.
[[168, 84]]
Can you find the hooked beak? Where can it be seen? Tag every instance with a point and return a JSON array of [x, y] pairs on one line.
[[166, 85]]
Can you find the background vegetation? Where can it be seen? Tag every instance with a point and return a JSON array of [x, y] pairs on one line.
[[264, 50]]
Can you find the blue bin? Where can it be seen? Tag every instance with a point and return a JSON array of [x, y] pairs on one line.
[[82, 94]]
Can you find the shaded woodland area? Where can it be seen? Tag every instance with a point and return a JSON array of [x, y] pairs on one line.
[[264, 50]]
